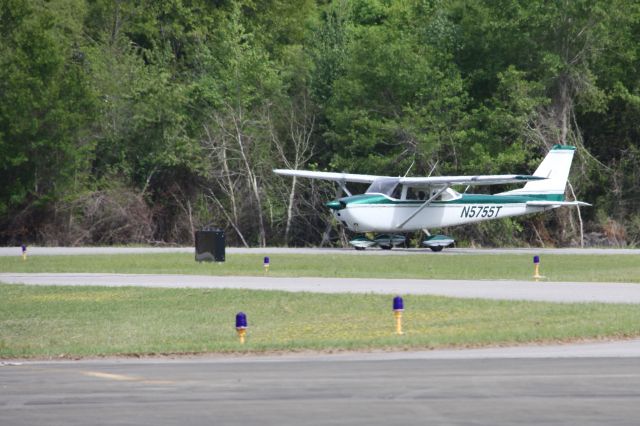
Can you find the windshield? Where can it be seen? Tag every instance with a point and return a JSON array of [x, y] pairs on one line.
[[384, 186]]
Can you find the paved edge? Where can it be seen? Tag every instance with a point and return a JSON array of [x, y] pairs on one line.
[[608, 349], [53, 251], [558, 292]]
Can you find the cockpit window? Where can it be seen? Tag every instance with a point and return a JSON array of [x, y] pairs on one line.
[[417, 193], [424, 193], [384, 186]]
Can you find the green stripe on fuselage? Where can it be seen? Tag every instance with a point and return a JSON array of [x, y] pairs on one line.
[[505, 199], [371, 199], [375, 199], [564, 147]]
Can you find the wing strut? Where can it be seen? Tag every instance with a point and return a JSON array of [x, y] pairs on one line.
[[343, 186], [425, 204]]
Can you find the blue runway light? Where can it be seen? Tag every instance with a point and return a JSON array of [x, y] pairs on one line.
[[398, 304], [398, 307], [241, 320], [536, 268], [241, 326], [266, 263], [24, 252]]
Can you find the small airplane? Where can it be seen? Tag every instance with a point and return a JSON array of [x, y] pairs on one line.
[[395, 205]]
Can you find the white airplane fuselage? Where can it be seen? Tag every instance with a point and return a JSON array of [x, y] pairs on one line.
[[395, 205], [375, 215]]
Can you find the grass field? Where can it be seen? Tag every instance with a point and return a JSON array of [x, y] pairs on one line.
[[88, 321], [82, 321], [610, 268]]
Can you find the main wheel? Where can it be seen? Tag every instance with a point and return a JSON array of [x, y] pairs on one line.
[[386, 247], [436, 248], [359, 248]]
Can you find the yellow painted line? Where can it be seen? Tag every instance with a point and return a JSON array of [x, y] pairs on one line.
[[109, 376], [125, 378]]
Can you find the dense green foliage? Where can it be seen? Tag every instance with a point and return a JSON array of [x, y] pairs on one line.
[[143, 121]]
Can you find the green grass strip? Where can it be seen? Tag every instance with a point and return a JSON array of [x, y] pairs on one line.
[[97, 321], [610, 268]]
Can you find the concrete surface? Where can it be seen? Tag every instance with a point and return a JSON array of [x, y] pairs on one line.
[[46, 251], [566, 292], [323, 391], [586, 384]]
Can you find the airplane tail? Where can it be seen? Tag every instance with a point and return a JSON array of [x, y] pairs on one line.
[[555, 168]]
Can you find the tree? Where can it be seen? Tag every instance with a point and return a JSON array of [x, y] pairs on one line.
[[45, 148], [296, 150], [399, 100], [237, 132]]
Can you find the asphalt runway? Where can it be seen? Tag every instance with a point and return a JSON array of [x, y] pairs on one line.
[[481, 387], [50, 251], [563, 292], [586, 384]]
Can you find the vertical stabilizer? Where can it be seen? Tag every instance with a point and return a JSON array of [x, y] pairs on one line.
[[555, 168]]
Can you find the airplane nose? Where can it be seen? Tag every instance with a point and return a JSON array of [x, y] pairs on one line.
[[336, 205]]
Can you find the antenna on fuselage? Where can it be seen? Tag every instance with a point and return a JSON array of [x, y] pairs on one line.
[[433, 168], [407, 172]]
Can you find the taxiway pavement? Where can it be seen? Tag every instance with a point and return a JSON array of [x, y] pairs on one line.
[[591, 384], [563, 292], [587, 384], [52, 251]]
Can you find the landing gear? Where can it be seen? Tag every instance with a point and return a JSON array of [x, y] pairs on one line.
[[437, 242], [384, 241], [389, 241], [361, 243]]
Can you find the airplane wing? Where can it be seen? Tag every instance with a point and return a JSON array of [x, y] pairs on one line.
[[467, 180], [338, 177], [413, 181]]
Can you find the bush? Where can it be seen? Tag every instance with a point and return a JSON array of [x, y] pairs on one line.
[[112, 216]]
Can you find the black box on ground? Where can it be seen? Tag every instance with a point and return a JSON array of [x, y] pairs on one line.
[[210, 245]]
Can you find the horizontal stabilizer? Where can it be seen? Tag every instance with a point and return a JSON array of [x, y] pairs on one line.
[[556, 203]]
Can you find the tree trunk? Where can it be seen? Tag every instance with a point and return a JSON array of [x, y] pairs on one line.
[[292, 196], [231, 222], [573, 194]]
